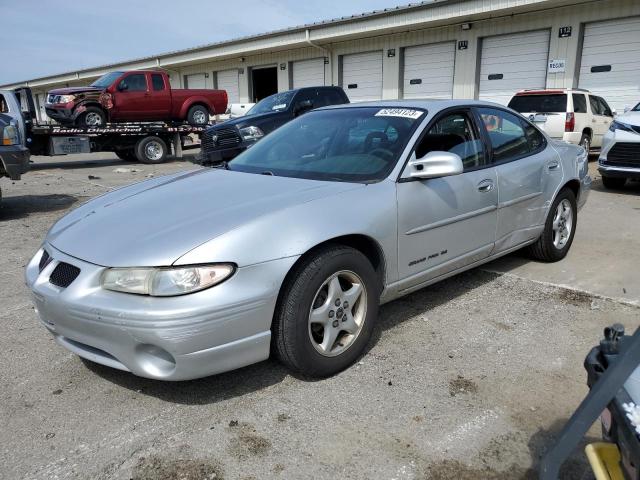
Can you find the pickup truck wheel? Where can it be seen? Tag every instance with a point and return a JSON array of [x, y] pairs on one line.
[[151, 150], [613, 183], [198, 115], [559, 229], [326, 312], [92, 117]]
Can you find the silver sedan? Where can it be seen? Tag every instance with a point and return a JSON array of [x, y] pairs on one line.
[[290, 248]]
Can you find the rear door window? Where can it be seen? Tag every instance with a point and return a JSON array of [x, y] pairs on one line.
[[157, 81], [551, 103], [508, 138], [579, 103], [596, 108]]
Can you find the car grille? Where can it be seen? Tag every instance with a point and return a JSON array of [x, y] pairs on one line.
[[624, 154], [64, 274], [44, 260], [225, 138]]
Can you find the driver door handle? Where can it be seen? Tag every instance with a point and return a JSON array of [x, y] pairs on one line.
[[485, 186]]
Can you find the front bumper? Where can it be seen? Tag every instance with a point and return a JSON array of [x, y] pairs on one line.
[[63, 113], [616, 167], [14, 160], [168, 338]]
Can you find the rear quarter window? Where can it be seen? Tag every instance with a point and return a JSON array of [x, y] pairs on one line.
[[553, 103], [579, 103]]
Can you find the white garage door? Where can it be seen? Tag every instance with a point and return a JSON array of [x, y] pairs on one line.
[[513, 62], [428, 71], [610, 65], [228, 80], [196, 80], [362, 76], [308, 73]]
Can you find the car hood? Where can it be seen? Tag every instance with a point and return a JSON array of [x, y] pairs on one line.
[[153, 223], [247, 120], [73, 90], [632, 118]]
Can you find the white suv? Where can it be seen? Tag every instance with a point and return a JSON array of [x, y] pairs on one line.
[[573, 115]]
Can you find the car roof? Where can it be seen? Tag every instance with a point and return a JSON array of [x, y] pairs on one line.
[[426, 104]]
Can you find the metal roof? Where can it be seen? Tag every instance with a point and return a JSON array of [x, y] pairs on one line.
[[299, 28]]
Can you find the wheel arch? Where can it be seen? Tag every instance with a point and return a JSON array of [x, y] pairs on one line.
[[197, 101], [366, 245], [574, 186]]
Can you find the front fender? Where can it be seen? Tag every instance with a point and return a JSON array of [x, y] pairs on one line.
[[369, 210]]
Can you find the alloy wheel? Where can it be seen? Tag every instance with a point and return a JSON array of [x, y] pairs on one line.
[[337, 313], [562, 224]]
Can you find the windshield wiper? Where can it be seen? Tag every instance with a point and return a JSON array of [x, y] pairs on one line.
[[267, 172], [224, 164]]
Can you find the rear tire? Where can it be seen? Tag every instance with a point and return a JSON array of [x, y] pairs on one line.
[[585, 142], [198, 115], [92, 117], [151, 150], [613, 183], [559, 229], [326, 312]]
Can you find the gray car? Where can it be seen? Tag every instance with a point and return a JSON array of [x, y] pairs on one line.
[[290, 248]]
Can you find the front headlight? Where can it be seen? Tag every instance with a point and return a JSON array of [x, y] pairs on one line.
[[10, 135], [251, 133], [166, 282], [615, 125], [66, 98]]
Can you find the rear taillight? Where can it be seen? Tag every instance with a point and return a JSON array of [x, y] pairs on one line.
[[106, 100], [570, 122]]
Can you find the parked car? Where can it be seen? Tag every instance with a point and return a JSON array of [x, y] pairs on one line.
[[573, 115], [236, 110], [14, 158], [620, 155], [290, 247], [138, 95], [226, 140]]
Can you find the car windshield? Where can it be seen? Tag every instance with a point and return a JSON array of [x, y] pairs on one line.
[[273, 103], [539, 103], [106, 80], [347, 144]]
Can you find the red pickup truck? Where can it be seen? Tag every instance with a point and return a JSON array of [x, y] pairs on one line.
[[134, 96]]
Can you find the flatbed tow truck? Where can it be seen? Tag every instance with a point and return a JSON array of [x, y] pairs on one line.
[[147, 142]]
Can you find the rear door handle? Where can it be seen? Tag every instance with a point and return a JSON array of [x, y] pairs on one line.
[[553, 166], [485, 186]]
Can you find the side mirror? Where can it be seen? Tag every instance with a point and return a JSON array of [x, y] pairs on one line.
[[435, 164], [303, 106], [613, 112]]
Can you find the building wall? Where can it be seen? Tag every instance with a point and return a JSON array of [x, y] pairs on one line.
[[467, 61]]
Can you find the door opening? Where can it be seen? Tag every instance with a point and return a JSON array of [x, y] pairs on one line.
[[264, 82]]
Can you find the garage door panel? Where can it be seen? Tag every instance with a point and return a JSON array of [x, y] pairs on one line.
[[196, 80], [308, 73], [615, 43], [228, 80], [428, 70], [513, 62], [363, 70]]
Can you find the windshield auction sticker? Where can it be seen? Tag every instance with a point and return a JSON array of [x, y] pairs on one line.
[[400, 112]]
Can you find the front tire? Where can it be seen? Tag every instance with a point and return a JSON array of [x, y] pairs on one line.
[[326, 312], [613, 183], [559, 230], [198, 115], [92, 117]]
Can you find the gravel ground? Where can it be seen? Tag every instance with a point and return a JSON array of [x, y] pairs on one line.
[[468, 379]]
